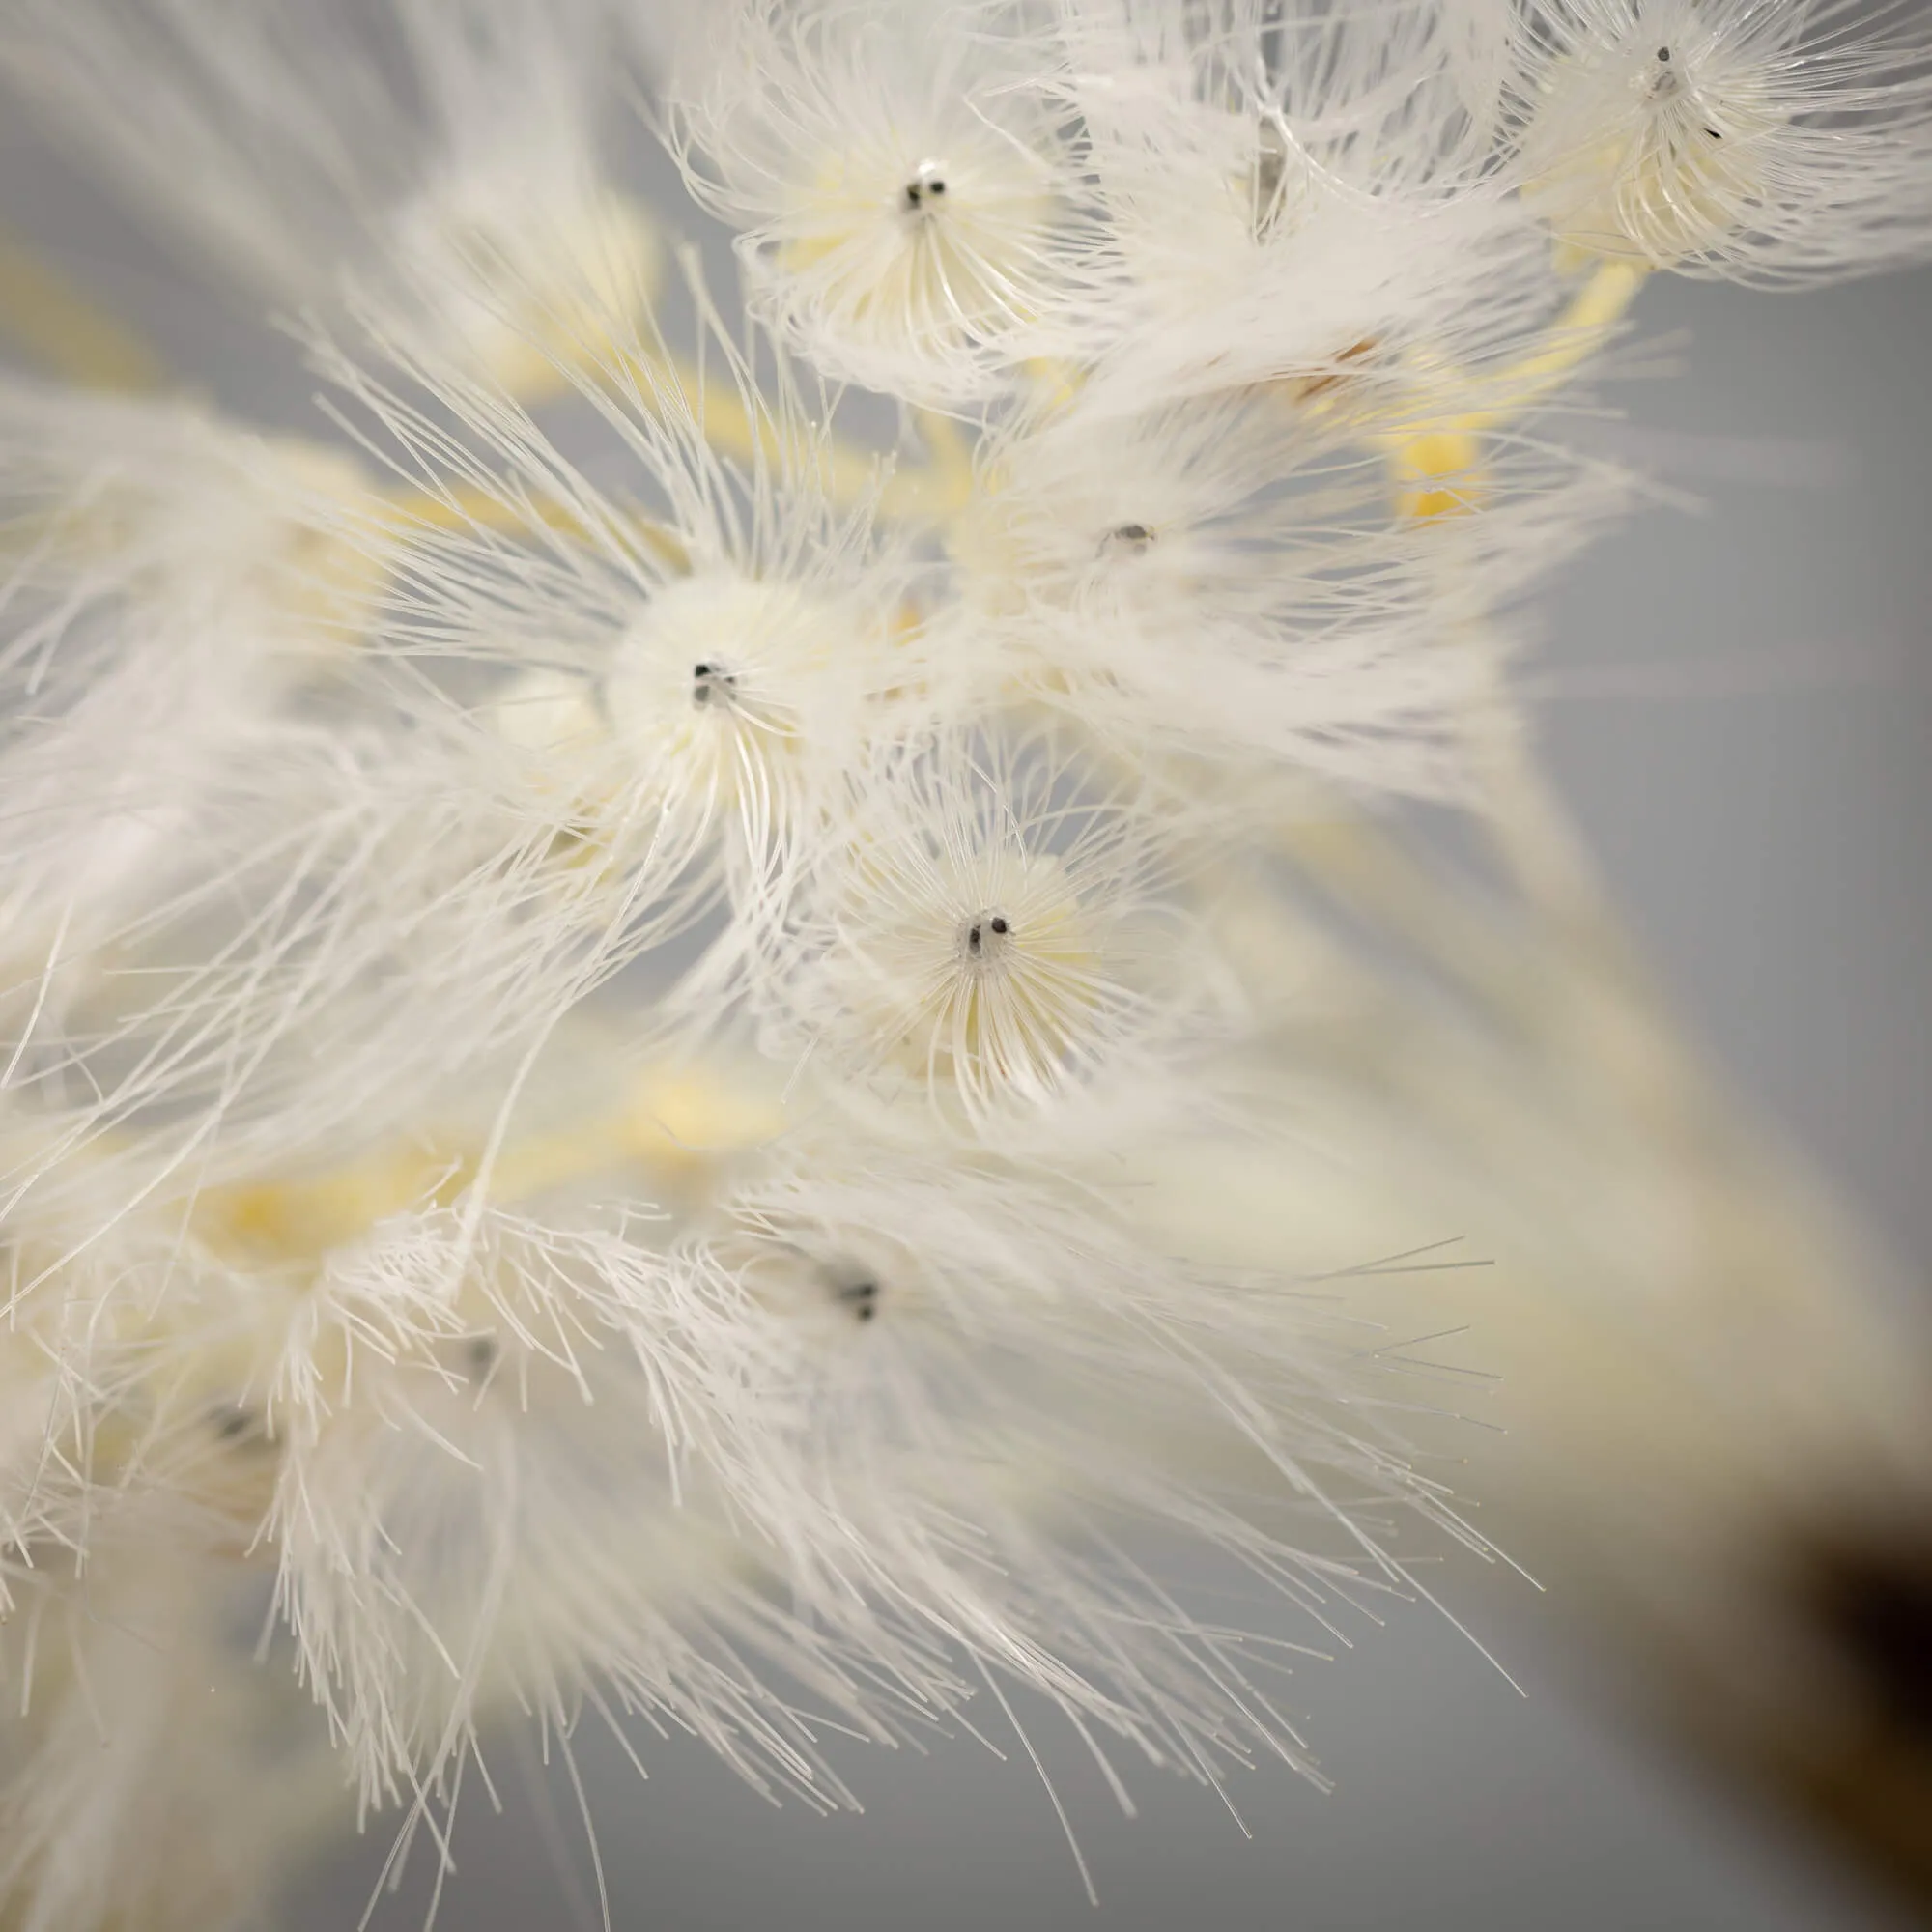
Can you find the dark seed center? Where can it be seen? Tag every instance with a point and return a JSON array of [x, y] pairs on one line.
[[926, 187], [857, 1289], [985, 934], [709, 681]]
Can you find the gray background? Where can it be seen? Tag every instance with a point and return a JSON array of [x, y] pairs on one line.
[[1740, 705]]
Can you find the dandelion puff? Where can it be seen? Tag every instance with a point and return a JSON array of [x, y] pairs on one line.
[[170, 587], [736, 682], [311, 155], [997, 925], [346, 931], [1761, 143], [119, 1369], [1288, 201], [499, 1497], [1235, 571], [695, 661], [519, 251], [992, 1382], [908, 208]]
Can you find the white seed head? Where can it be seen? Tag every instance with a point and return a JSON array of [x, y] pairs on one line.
[[908, 206], [1760, 143], [996, 928]]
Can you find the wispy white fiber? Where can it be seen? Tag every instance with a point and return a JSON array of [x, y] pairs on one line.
[[310, 151]]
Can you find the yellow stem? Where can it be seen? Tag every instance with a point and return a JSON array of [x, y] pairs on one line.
[[57, 327], [1436, 465], [1582, 328], [675, 1124], [845, 473], [461, 506]]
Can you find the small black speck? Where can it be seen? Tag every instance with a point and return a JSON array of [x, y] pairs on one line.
[[480, 1351], [973, 939], [862, 1297], [707, 679], [1663, 53], [1000, 925], [238, 1423], [1714, 134]]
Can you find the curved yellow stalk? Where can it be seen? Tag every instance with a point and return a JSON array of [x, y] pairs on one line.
[[53, 324]]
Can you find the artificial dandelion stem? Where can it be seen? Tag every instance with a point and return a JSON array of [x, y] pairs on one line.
[[464, 507], [51, 322], [846, 473], [1582, 330]]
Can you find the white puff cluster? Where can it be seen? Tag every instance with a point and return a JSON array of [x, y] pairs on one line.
[[603, 965], [909, 202], [1763, 144], [311, 155]]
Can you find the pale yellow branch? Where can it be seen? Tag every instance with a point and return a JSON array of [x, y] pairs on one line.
[[1579, 333], [464, 507], [1435, 468], [53, 324], [845, 473]]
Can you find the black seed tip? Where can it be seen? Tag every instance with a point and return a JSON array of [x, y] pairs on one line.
[[239, 1422], [973, 939], [1663, 54], [232, 1420], [862, 1297], [706, 679], [999, 924]]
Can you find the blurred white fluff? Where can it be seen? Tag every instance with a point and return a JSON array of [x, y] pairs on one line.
[[311, 151], [152, 1772], [614, 1010], [168, 581], [1289, 198], [532, 1464], [1327, 624]]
